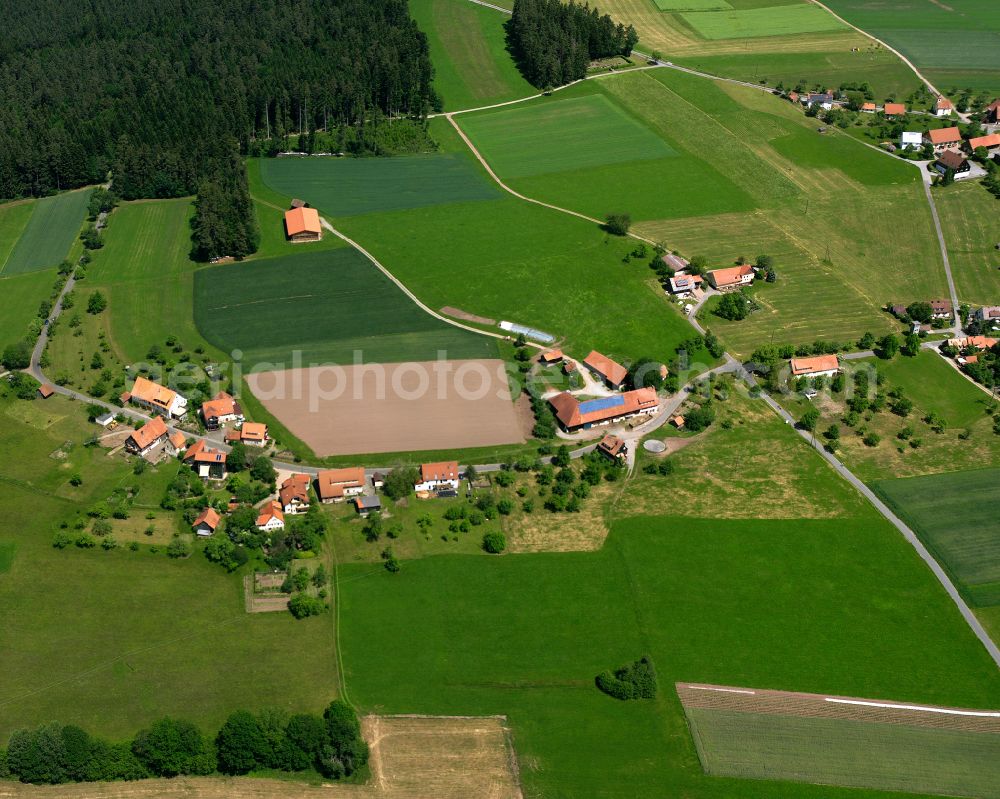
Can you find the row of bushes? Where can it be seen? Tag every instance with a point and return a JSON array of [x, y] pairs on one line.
[[331, 744]]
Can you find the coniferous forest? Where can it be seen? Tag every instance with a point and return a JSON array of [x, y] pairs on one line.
[[554, 42], [167, 94]]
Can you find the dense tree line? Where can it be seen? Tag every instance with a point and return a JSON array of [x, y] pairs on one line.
[[330, 744], [166, 94], [554, 42]]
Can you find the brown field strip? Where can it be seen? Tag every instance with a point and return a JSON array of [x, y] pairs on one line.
[[412, 757], [396, 407], [876, 711]]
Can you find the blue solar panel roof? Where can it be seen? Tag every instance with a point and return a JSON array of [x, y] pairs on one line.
[[602, 404]]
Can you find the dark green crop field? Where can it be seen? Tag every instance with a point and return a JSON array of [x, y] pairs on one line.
[[955, 43], [49, 233], [350, 186], [328, 306], [890, 757], [957, 515]]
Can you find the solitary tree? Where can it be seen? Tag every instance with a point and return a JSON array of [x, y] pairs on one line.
[[618, 224]]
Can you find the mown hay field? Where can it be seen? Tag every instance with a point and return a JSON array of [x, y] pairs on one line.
[[970, 218], [957, 514], [349, 186], [759, 22], [331, 307], [469, 51], [49, 232]]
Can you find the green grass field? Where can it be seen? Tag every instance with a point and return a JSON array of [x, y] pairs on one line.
[[49, 232], [953, 43], [556, 134], [330, 306], [22, 295], [889, 757], [113, 640], [592, 152], [804, 605], [971, 228], [7, 550], [146, 271], [350, 186], [881, 68], [933, 386], [692, 5], [469, 51], [757, 22], [957, 515], [13, 218]]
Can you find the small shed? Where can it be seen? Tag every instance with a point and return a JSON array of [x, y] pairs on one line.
[[299, 204], [367, 504], [302, 224], [45, 391], [105, 419]]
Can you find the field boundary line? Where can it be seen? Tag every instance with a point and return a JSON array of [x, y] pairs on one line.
[[409, 293], [919, 708], [888, 47], [509, 190]]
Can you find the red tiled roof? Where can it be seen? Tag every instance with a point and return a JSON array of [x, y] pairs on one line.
[[443, 470], [149, 433], [45, 390], [610, 370], [295, 487], [302, 220], [942, 103], [331, 483], [992, 140], [892, 109], [153, 393], [253, 431], [868, 106], [730, 276], [567, 407], [270, 511], [818, 363], [945, 136], [612, 445], [209, 516], [222, 404], [177, 439], [552, 356], [973, 342]]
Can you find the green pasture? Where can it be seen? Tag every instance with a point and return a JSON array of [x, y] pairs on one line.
[[7, 550], [692, 5], [329, 306], [820, 69], [530, 265], [148, 276], [13, 218], [350, 186], [936, 387], [810, 149], [48, 234], [765, 21], [469, 51], [953, 43], [970, 218], [555, 135], [957, 515], [805, 605], [22, 295], [162, 637], [888, 757], [599, 153]]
